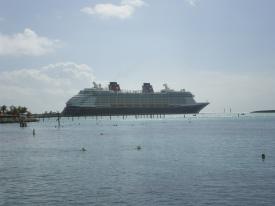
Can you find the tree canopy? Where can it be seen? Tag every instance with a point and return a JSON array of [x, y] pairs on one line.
[[14, 110]]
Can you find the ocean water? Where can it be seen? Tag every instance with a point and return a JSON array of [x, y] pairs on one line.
[[196, 160]]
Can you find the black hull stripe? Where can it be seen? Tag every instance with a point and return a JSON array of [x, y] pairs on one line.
[[90, 111]]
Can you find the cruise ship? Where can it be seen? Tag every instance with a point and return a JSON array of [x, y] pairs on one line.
[[114, 101]]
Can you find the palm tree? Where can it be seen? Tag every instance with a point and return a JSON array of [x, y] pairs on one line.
[[4, 109], [24, 109], [13, 110]]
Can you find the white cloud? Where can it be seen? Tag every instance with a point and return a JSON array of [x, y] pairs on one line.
[[124, 10], [192, 2], [26, 43], [45, 88]]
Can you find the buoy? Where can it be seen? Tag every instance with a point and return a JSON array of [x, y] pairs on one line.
[[33, 132], [101, 133], [263, 156], [83, 149], [138, 147]]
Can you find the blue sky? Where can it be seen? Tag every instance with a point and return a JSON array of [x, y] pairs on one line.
[[221, 50]]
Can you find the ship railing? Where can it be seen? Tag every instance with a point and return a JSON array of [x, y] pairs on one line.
[[131, 91], [136, 91]]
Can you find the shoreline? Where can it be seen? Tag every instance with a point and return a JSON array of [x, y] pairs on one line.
[[6, 120]]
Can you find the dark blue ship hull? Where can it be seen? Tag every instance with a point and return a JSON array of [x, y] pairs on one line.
[[94, 111]]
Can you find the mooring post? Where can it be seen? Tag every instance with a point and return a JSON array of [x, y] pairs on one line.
[[58, 119], [263, 156]]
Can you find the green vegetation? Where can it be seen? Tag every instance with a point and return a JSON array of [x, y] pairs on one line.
[[14, 110], [16, 114]]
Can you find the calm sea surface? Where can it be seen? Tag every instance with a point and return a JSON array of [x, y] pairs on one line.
[[197, 160]]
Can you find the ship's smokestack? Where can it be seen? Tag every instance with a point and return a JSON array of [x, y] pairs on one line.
[[114, 86], [147, 88]]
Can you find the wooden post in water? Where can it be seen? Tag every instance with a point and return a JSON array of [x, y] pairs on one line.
[[58, 119]]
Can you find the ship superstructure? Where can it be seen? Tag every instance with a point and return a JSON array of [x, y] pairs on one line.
[[114, 101]]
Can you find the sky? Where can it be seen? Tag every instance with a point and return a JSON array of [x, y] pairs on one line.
[[223, 51]]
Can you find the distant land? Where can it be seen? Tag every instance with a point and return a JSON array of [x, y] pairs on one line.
[[15, 114], [264, 111]]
